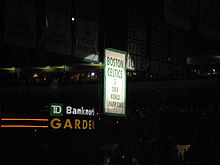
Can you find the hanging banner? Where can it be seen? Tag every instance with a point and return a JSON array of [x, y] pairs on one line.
[[0, 49], [115, 82], [136, 41], [87, 30], [58, 27], [209, 20], [20, 23], [178, 13]]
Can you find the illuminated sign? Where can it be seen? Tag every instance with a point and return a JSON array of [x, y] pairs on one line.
[[57, 123], [61, 117], [80, 111], [57, 109], [115, 82], [66, 119]]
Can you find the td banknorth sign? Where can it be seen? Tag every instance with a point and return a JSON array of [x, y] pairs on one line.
[[57, 109], [115, 82], [65, 117]]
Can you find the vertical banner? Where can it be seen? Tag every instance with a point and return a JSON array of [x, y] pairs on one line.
[[209, 18], [178, 13], [0, 43], [20, 23], [115, 82], [136, 41], [58, 27], [87, 30]]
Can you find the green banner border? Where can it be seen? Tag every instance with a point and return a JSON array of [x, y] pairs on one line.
[[104, 97]]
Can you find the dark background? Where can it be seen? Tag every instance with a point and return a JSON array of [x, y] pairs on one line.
[[172, 94]]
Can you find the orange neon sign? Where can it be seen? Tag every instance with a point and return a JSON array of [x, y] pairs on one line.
[[19, 119], [24, 126]]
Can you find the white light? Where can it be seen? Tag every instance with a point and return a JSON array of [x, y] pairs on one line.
[[73, 19], [213, 70], [47, 24], [35, 75], [92, 74]]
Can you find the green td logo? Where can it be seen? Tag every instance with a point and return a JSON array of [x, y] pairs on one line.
[[56, 109]]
